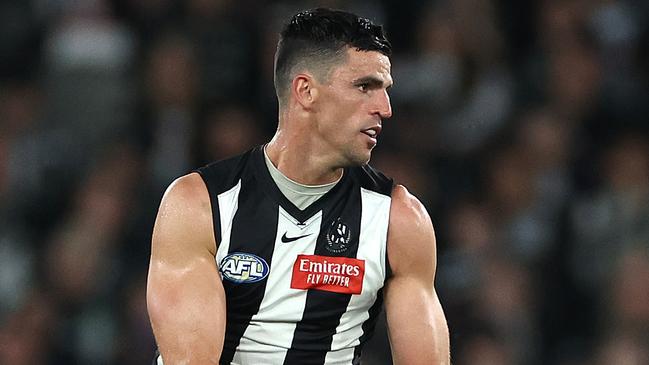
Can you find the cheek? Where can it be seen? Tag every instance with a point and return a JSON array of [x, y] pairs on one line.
[[349, 111], [344, 124], [341, 117]]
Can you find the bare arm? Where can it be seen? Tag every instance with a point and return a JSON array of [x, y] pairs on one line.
[[417, 327], [185, 296]]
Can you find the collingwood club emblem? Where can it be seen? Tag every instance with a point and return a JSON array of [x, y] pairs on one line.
[[338, 237]]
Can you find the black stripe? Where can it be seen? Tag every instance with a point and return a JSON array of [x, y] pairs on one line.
[[155, 358], [369, 324], [373, 179], [314, 333], [254, 228]]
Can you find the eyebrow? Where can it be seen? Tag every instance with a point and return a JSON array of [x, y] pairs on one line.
[[373, 82]]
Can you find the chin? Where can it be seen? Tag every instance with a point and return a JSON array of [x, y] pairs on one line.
[[360, 159], [355, 155]]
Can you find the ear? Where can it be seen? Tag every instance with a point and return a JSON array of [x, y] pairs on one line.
[[304, 90]]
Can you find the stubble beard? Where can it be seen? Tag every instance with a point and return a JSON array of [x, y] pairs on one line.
[[357, 157]]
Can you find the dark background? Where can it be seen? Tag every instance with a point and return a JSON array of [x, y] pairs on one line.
[[522, 126]]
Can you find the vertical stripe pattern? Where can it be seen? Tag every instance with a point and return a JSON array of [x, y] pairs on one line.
[[375, 210], [323, 310], [253, 230], [270, 332]]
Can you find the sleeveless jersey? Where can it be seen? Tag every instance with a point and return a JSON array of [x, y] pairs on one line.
[[302, 286]]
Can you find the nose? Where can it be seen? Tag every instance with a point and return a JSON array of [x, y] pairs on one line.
[[383, 107]]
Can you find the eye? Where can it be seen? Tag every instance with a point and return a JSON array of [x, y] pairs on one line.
[[363, 87]]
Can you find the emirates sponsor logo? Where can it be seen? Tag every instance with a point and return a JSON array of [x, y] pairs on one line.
[[334, 274]]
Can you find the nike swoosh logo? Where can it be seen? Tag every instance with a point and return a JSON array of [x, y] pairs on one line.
[[286, 239]]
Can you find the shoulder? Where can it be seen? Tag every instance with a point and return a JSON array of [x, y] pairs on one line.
[[407, 208], [184, 218], [187, 193], [411, 237]]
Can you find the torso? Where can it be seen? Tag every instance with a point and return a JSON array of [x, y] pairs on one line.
[[302, 286]]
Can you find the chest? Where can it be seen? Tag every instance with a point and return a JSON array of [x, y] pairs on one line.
[[269, 257]]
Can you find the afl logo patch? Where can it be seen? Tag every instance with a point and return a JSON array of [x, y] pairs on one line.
[[242, 267], [338, 237]]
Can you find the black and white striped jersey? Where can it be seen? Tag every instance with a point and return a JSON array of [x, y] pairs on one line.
[[302, 286]]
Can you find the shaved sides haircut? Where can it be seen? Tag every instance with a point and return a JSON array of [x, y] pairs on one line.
[[316, 40]]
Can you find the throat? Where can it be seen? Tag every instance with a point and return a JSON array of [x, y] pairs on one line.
[[300, 195]]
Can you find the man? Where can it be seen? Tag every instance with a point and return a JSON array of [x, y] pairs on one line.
[[282, 255]]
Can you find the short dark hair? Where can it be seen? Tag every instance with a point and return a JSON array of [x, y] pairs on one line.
[[318, 38]]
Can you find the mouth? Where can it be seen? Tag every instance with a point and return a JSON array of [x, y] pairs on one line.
[[372, 132]]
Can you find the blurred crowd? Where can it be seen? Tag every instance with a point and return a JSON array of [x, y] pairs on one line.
[[522, 125]]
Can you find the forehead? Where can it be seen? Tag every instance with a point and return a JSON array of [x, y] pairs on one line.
[[363, 63]]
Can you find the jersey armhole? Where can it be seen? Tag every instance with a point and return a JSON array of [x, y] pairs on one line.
[[388, 268], [214, 202]]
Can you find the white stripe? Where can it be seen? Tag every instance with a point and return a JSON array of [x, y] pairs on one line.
[[270, 333], [375, 215], [228, 205]]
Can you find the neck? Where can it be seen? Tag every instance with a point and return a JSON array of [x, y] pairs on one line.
[[301, 160]]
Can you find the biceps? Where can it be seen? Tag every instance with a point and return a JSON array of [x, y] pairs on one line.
[[187, 310], [416, 324]]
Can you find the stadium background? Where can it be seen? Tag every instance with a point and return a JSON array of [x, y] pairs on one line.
[[522, 125]]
